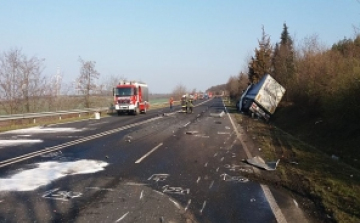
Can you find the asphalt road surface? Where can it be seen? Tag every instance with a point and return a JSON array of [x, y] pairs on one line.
[[163, 166]]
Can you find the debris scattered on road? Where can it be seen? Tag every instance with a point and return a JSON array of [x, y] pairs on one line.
[[223, 133], [227, 127], [217, 115], [252, 200], [202, 136], [198, 180], [259, 162], [218, 122], [335, 157], [128, 138], [192, 132]]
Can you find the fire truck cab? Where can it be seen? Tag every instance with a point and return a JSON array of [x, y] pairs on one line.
[[131, 98]]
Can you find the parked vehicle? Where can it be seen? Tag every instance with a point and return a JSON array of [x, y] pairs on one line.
[[131, 98], [262, 98]]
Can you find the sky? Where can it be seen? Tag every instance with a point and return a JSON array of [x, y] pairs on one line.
[[164, 43]]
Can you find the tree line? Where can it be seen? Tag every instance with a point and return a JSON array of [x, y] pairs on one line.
[[319, 80], [24, 88]]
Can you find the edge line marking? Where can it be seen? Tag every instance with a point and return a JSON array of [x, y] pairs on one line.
[[269, 197]]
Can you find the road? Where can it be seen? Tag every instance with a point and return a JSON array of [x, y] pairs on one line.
[[157, 167]]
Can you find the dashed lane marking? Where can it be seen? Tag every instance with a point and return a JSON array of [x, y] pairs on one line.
[[148, 154]]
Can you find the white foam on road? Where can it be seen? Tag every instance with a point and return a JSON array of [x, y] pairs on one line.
[[47, 172], [16, 142], [39, 129]]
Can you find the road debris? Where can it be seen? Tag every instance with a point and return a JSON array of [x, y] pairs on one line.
[[192, 132], [259, 162], [217, 115]]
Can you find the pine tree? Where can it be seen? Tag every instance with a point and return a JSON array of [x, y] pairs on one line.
[[261, 64], [283, 59]]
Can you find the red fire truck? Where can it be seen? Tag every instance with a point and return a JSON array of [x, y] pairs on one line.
[[131, 98]]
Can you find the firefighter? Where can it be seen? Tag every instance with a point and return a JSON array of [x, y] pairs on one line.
[[190, 105]]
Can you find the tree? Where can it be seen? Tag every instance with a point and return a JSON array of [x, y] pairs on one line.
[[21, 82], [86, 79], [179, 91], [283, 65], [261, 63], [110, 82]]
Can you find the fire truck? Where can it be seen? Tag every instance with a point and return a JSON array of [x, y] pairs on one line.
[[131, 97]]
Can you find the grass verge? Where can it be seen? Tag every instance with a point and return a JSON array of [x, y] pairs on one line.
[[328, 188]]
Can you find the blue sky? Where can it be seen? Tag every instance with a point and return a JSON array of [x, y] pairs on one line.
[[198, 44]]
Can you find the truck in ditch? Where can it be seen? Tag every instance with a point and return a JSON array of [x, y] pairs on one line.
[[262, 98]]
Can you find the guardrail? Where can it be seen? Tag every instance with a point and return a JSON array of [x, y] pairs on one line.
[[48, 114], [31, 118]]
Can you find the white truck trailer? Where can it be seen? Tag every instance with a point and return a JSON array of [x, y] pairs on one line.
[[262, 98]]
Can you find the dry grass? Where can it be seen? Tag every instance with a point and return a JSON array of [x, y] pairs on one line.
[[332, 186]]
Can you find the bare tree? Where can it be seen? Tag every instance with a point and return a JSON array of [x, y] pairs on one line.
[[21, 83], [179, 91], [109, 82], [88, 74]]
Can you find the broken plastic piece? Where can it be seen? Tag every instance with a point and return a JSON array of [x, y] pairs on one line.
[[259, 162], [217, 115]]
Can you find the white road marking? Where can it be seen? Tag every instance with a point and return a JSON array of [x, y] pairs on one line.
[[122, 217], [68, 144], [188, 204], [203, 207], [211, 184], [147, 154], [175, 203], [44, 130], [270, 198]]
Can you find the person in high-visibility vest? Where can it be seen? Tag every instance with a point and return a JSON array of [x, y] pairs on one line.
[[171, 102]]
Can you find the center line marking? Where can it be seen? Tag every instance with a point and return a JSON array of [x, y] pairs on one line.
[[147, 154]]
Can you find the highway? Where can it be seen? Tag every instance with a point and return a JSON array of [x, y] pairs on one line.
[[163, 166]]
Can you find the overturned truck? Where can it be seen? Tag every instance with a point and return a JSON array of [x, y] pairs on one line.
[[262, 98]]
